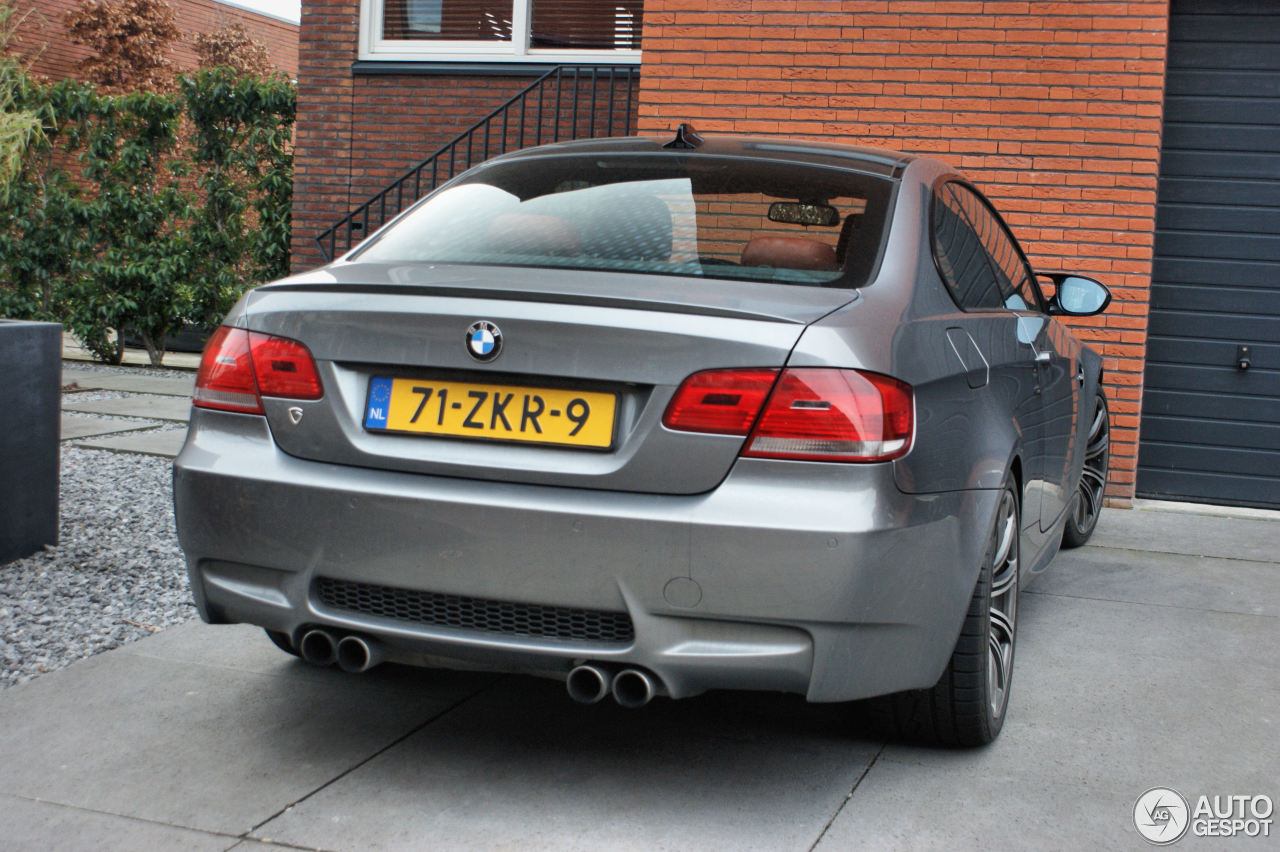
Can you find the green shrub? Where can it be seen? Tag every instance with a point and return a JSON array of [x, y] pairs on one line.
[[147, 211]]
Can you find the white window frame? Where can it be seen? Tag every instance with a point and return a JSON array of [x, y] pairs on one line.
[[374, 47]]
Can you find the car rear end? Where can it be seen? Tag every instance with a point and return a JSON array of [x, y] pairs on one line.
[[550, 426]]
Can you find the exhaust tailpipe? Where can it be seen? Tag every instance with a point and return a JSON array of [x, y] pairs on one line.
[[357, 654], [633, 688], [587, 684], [318, 648]]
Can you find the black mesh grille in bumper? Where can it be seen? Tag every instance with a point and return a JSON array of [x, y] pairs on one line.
[[508, 619]]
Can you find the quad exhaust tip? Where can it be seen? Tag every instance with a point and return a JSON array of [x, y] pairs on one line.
[[588, 684], [357, 654], [318, 648], [633, 688]]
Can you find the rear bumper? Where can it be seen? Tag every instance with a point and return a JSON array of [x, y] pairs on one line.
[[813, 578]]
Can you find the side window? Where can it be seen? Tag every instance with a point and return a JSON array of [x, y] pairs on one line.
[[1016, 280], [961, 257], [1014, 285]]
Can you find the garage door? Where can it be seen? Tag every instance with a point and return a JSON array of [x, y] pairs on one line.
[[1210, 424]]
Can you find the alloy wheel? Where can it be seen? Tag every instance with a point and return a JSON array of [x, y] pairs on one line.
[[1002, 629], [1093, 480]]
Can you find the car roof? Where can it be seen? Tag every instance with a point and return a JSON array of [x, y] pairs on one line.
[[873, 161]]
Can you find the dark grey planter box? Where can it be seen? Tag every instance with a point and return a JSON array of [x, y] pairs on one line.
[[30, 419]]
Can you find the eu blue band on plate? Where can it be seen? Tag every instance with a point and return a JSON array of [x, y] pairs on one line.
[[375, 416]]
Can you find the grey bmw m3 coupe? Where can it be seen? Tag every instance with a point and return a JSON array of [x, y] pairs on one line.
[[655, 417]]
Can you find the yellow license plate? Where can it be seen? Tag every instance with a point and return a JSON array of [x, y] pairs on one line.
[[496, 412]]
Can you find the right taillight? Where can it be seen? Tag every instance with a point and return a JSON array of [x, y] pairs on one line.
[[819, 414], [239, 367], [810, 414]]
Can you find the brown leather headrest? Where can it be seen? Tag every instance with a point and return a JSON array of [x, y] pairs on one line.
[[789, 253]]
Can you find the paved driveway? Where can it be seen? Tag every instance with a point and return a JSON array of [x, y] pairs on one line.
[[1146, 659]]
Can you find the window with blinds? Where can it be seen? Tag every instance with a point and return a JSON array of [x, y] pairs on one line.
[[526, 25], [586, 24]]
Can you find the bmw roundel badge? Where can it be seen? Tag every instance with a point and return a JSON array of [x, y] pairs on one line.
[[484, 340]]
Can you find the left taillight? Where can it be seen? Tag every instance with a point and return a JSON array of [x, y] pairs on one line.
[[240, 367]]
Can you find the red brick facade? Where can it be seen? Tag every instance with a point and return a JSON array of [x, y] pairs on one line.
[[355, 134], [1053, 108], [43, 38]]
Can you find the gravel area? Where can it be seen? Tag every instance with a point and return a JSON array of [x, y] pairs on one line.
[[70, 368], [116, 575]]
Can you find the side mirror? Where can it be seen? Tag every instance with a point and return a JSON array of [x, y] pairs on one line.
[[1077, 295]]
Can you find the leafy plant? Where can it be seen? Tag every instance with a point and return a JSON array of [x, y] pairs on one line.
[[136, 256], [130, 40], [231, 46], [240, 152], [19, 128]]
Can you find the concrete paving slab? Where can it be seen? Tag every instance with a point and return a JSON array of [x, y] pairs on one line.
[[1109, 700], [181, 384], [167, 443], [49, 826], [1194, 535], [153, 407], [519, 767], [74, 427], [202, 747], [1164, 579]]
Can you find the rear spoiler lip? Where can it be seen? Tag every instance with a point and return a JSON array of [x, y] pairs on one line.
[[525, 295]]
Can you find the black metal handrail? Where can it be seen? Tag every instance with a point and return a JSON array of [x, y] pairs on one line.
[[553, 108]]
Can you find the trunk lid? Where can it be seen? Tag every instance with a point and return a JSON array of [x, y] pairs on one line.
[[565, 335]]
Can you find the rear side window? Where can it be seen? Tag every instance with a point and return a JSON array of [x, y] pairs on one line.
[[699, 215], [958, 249], [977, 256]]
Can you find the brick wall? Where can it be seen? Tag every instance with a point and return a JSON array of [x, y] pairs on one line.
[[322, 135], [358, 133], [43, 38], [1053, 108]]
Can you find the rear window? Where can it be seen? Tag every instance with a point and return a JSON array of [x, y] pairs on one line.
[[753, 220]]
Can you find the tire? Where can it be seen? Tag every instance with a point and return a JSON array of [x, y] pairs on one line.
[[967, 706], [1086, 506], [282, 641]]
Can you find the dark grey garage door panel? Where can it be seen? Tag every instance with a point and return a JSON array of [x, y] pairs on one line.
[[1189, 270], [1235, 84], [1219, 191], [1221, 380], [1227, 300], [1227, 164], [1246, 220], [1233, 246], [1257, 138], [1224, 327], [1178, 350], [1246, 410], [1225, 460], [1200, 487], [1213, 110], [1226, 55], [1210, 431]]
